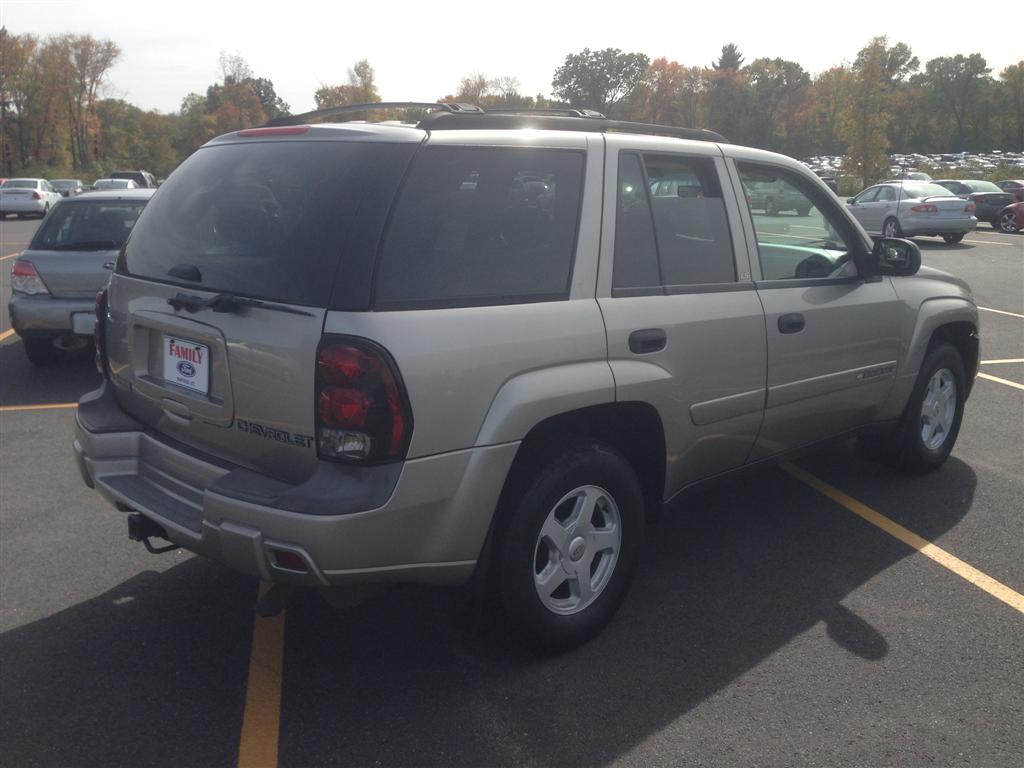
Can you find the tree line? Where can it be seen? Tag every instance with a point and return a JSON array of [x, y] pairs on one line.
[[53, 114]]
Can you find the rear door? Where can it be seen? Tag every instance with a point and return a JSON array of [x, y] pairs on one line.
[[219, 300], [685, 327]]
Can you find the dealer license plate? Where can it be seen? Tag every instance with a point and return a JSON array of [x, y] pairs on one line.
[[187, 364]]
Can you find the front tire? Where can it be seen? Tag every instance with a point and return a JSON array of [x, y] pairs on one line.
[[934, 412], [1007, 223], [770, 208], [567, 545], [891, 228]]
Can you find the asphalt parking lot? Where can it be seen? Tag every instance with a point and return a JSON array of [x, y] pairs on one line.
[[771, 623]]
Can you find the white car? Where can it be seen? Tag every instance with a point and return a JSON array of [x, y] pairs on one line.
[[27, 197], [114, 184]]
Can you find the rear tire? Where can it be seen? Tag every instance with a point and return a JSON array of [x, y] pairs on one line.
[[803, 212], [567, 544], [770, 209], [951, 239], [40, 352]]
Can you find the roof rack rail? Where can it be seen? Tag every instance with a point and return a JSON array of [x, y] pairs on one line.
[[548, 112], [560, 121], [306, 117]]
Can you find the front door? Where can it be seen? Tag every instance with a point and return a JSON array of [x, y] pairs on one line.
[[832, 335]]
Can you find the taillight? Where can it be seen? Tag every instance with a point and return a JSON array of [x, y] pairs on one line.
[[362, 411], [99, 332], [25, 279], [925, 208], [969, 208], [36, 196]]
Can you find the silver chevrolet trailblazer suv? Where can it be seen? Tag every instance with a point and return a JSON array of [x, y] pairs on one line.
[[491, 346]]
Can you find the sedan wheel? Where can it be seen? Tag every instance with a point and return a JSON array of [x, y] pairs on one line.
[[1007, 222], [891, 228]]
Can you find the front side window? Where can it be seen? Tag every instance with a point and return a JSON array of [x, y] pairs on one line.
[[885, 194], [803, 240], [867, 196], [92, 225], [482, 225]]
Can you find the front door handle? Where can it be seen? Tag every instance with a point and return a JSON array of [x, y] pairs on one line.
[[647, 340], [792, 323]]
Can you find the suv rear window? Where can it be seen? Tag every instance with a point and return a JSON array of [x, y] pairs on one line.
[[276, 220], [476, 226]]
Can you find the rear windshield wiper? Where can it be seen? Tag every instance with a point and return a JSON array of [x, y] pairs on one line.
[[228, 303], [88, 245]]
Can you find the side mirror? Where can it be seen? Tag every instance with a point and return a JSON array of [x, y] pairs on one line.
[[897, 257], [851, 201]]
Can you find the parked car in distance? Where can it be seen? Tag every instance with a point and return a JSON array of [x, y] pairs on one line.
[[27, 197], [1011, 218], [988, 199], [911, 208], [114, 184], [1014, 186], [54, 281], [68, 187], [335, 353], [142, 179], [775, 196], [910, 176]]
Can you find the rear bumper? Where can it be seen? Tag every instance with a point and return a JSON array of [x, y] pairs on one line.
[[422, 521], [923, 225], [15, 205], [48, 316]]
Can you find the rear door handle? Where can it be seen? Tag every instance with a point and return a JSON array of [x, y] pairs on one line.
[[647, 340], [792, 323]]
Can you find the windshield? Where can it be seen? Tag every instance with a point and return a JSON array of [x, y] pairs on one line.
[[111, 184], [20, 184], [63, 184], [925, 190], [269, 220], [92, 225]]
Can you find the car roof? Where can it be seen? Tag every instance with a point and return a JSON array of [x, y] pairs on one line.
[[113, 194]]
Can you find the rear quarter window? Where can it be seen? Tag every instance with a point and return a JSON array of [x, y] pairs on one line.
[[482, 225]]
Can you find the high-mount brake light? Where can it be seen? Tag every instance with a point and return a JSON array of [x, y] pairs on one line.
[[25, 279], [925, 208], [362, 412], [283, 130]]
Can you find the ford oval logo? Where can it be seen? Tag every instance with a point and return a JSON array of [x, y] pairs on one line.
[[186, 369]]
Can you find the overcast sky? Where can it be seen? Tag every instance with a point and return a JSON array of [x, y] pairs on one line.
[[420, 51]]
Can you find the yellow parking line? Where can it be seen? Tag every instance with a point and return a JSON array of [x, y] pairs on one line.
[[6, 334], [37, 407], [1007, 360], [9, 256], [1001, 312], [257, 747], [996, 379], [981, 580]]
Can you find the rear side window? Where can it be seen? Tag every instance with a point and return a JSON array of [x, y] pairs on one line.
[[671, 227], [93, 225], [476, 226], [277, 220]]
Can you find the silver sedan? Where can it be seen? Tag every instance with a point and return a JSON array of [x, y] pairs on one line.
[[909, 208], [54, 281]]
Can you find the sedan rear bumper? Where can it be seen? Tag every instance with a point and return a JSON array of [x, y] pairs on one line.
[[22, 206], [49, 316], [926, 225]]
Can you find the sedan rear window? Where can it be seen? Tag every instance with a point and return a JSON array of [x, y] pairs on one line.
[[275, 220], [925, 190], [20, 184], [88, 226]]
